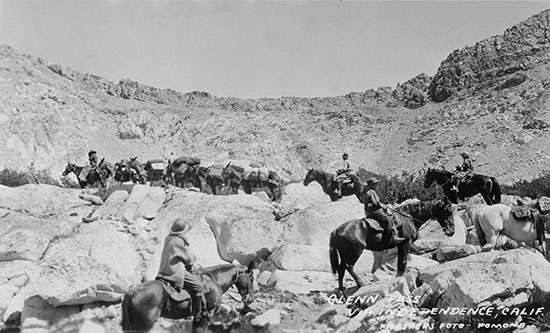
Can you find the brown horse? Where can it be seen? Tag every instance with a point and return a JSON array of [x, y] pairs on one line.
[[328, 183], [142, 306], [487, 186], [349, 240]]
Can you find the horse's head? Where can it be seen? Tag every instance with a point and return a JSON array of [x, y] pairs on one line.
[[443, 213], [429, 178], [245, 283], [310, 176], [68, 169]]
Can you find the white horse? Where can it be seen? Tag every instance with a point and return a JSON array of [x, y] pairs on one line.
[[491, 221]]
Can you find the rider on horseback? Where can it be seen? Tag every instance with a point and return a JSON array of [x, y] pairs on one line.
[[342, 174], [376, 210], [176, 263], [462, 171], [93, 158]]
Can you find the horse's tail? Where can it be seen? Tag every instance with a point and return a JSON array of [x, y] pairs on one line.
[[495, 192], [479, 231], [333, 252], [127, 322]]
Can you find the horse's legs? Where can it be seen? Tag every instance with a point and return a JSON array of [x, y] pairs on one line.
[[487, 198], [402, 257], [341, 273], [491, 237], [349, 268]]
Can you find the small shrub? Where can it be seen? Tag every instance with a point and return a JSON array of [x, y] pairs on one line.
[[14, 178], [534, 188]]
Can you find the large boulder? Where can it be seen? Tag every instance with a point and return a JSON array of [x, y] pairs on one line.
[[143, 202], [500, 280], [40, 200], [312, 226], [98, 263], [24, 237], [211, 218], [432, 237]]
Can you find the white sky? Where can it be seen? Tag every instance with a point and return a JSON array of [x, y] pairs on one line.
[[253, 49]]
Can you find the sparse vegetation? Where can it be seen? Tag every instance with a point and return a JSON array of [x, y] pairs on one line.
[[537, 187], [31, 175]]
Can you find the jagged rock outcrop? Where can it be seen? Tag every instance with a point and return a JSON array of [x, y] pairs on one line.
[[496, 59]]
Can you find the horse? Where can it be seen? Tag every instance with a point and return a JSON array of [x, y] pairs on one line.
[[137, 171], [236, 176], [143, 305], [487, 186], [76, 170], [183, 170], [122, 172], [154, 170], [491, 221], [92, 178], [233, 176], [329, 184], [212, 176], [273, 183], [348, 241]]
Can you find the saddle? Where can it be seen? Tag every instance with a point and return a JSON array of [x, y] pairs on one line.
[[179, 295], [526, 213], [176, 294], [375, 225]]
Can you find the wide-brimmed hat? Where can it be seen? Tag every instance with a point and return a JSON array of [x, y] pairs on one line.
[[345, 155], [91, 152], [180, 226], [465, 154], [372, 180]]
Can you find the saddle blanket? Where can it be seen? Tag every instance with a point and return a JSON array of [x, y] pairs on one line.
[[216, 171]]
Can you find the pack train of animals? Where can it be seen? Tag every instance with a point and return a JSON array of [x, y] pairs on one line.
[[182, 172]]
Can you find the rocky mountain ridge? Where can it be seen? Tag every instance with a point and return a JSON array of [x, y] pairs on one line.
[[491, 99]]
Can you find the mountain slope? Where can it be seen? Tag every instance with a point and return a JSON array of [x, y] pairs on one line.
[[491, 99]]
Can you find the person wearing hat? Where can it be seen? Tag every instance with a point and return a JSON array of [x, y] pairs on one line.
[[377, 210], [175, 265], [93, 159], [462, 171], [343, 174]]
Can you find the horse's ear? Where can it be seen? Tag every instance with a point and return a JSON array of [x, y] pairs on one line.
[[251, 266]]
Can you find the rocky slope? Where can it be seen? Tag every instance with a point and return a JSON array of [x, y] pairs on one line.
[[491, 99]]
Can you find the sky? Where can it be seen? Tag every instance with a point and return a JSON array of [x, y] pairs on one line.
[[253, 49]]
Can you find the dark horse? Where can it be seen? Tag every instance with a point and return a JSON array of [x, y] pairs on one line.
[[142, 306], [235, 176], [487, 186], [179, 175], [212, 176], [92, 179], [328, 183], [137, 169], [349, 240]]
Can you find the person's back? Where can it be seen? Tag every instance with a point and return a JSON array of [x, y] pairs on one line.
[[176, 263]]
